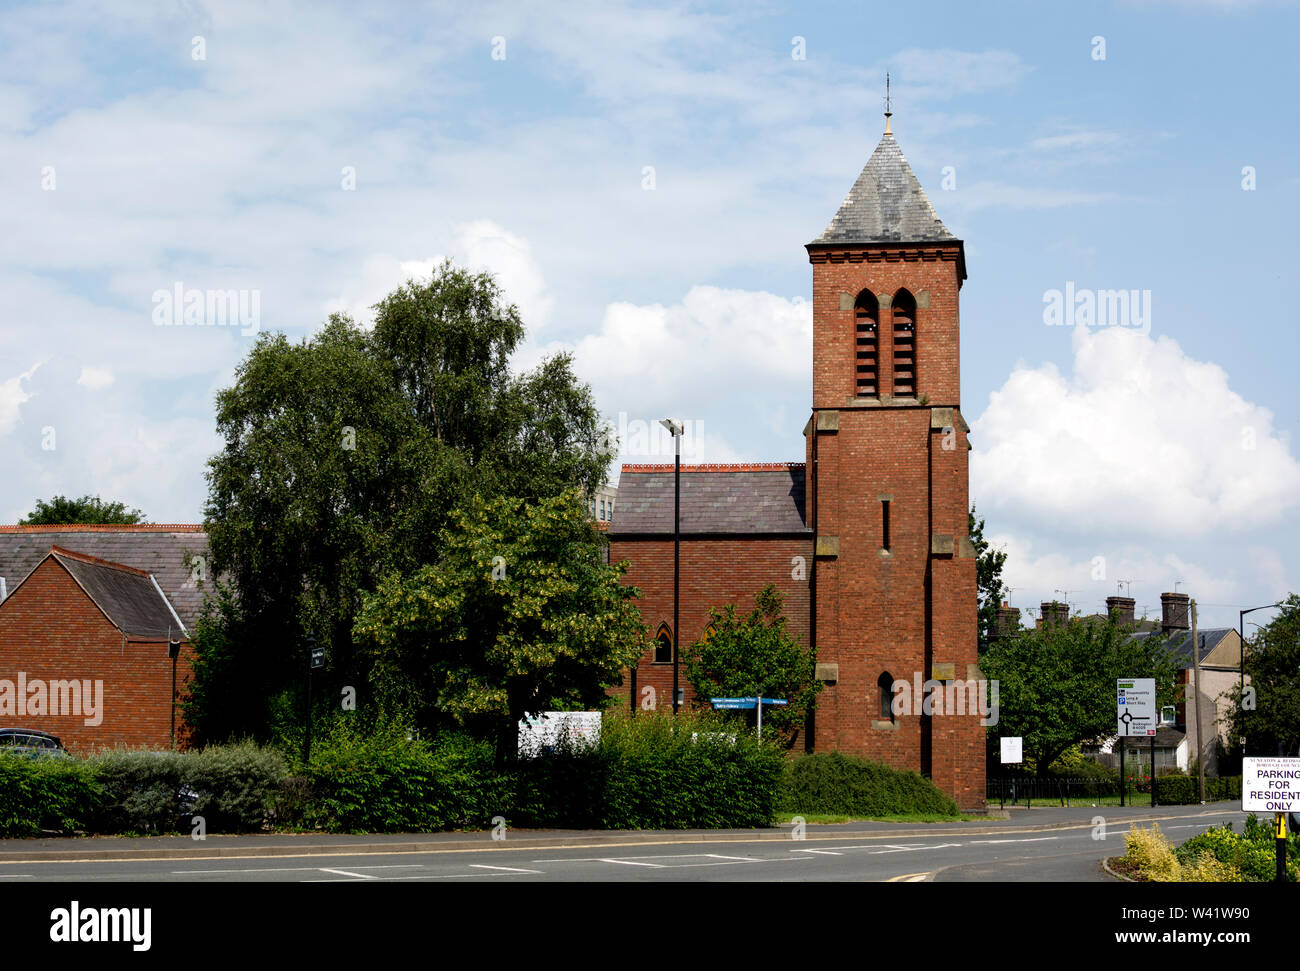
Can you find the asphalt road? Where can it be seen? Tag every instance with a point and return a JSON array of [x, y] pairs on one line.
[[1040, 845]]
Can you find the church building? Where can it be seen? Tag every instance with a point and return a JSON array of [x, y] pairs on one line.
[[868, 537]]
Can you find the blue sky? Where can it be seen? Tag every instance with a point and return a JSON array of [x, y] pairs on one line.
[[523, 139]]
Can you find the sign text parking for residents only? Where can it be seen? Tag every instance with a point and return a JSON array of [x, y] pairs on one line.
[[1270, 785]]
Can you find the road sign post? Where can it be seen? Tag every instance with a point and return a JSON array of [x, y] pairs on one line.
[[315, 661], [1137, 717], [1272, 785]]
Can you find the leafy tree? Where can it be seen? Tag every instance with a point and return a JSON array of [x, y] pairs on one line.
[[1272, 727], [325, 481], [87, 509], [345, 455], [989, 563], [1056, 684], [520, 614], [743, 654]]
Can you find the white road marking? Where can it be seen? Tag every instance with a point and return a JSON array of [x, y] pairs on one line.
[[1036, 839], [911, 849], [657, 866], [819, 852], [345, 873], [291, 869], [507, 869]]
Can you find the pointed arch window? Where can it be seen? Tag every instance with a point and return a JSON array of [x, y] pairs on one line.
[[904, 305], [664, 644], [866, 314], [886, 685]]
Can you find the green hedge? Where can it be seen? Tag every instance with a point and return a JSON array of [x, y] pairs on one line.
[[1180, 790], [837, 784], [130, 791], [46, 794], [382, 779], [653, 772]]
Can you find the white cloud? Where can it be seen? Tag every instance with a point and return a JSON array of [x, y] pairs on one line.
[[12, 396], [94, 378], [479, 245], [1139, 440]]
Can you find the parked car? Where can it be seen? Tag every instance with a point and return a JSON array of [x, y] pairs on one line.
[[32, 744]]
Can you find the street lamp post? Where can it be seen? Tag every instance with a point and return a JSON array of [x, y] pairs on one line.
[[1241, 692], [675, 428]]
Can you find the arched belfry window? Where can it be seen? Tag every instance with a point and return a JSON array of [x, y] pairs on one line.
[[866, 313], [664, 644], [904, 345], [886, 685]]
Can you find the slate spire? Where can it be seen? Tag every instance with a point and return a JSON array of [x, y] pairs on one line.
[[886, 204]]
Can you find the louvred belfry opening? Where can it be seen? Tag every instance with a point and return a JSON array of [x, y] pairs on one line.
[[867, 313], [904, 345]]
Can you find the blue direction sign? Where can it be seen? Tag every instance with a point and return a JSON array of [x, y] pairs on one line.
[[775, 701], [734, 702]]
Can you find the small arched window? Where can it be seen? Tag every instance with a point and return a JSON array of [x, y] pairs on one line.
[[886, 685], [866, 314], [904, 305], [664, 644]]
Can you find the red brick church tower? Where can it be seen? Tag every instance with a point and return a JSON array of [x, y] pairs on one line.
[[894, 581]]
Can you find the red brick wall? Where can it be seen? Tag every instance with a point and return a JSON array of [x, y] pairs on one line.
[[904, 611], [51, 630], [714, 572], [884, 272]]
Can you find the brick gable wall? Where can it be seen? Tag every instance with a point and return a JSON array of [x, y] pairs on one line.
[[50, 630]]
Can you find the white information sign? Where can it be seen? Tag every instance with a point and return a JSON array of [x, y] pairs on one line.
[[1270, 785], [1136, 710], [1013, 751], [539, 734]]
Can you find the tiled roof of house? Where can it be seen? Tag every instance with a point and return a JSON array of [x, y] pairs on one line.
[[127, 596], [886, 205], [166, 551], [1180, 643], [739, 499]]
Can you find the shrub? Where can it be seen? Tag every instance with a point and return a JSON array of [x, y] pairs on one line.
[[653, 772], [1151, 853], [1249, 856], [142, 790], [45, 794], [1176, 790], [235, 784], [381, 777], [834, 783]]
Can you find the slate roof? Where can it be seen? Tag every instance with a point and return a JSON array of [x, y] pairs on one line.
[[886, 205], [1180, 643], [750, 499], [163, 550], [127, 596]]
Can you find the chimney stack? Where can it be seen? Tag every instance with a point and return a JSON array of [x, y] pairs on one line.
[[1008, 620], [1055, 612], [1174, 612], [1120, 610]]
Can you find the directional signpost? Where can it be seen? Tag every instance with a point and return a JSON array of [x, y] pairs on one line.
[[1273, 786], [1137, 717], [755, 702]]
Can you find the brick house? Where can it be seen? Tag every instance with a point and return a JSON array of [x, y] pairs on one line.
[[878, 509], [94, 625]]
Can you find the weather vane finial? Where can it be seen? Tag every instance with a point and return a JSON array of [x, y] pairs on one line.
[[887, 111]]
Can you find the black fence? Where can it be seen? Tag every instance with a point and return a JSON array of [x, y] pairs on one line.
[[1063, 790]]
